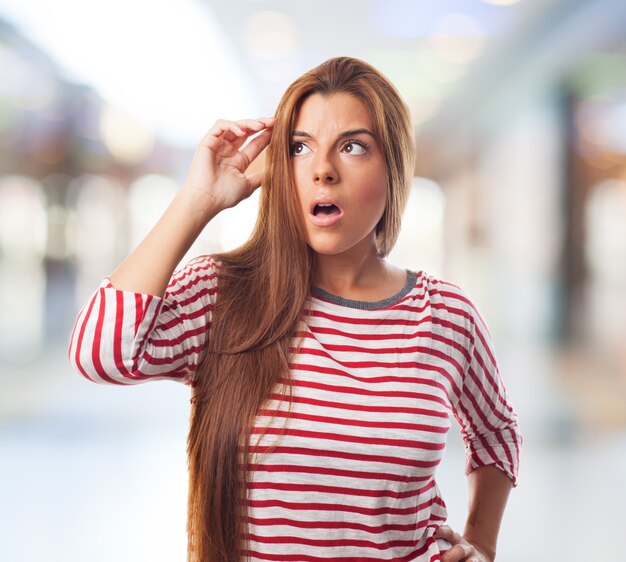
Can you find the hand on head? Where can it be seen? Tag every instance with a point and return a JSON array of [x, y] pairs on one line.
[[217, 176]]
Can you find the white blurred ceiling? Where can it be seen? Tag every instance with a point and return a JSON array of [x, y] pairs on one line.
[[425, 47], [182, 64], [447, 57]]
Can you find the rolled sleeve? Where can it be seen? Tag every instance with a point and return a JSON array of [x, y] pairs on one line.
[[488, 421], [124, 337]]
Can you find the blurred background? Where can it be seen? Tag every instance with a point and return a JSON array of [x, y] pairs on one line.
[[519, 110]]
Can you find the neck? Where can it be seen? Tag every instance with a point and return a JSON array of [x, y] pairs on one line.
[[353, 269]]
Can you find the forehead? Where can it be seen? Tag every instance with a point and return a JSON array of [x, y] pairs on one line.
[[337, 112]]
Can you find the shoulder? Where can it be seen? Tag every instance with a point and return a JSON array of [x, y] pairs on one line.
[[193, 278], [444, 294], [451, 306], [198, 266]]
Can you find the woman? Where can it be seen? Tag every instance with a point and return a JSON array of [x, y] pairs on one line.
[[323, 377]]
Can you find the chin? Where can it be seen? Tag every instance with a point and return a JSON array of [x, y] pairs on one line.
[[332, 244], [325, 251], [328, 249]]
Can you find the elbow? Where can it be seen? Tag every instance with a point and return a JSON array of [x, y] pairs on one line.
[[82, 363], [84, 359]]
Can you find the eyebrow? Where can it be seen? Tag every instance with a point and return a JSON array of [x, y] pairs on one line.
[[345, 134]]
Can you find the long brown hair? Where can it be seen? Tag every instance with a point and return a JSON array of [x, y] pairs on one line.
[[262, 292]]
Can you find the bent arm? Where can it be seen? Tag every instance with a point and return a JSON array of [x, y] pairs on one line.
[[489, 489], [216, 180], [489, 426], [148, 320]]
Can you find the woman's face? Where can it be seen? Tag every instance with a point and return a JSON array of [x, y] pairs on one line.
[[339, 172]]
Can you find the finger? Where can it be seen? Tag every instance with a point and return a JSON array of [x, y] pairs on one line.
[[243, 129], [234, 132], [252, 127], [254, 182], [223, 125], [442, 529], [457, 553], [256, 146], [267, 118], [453, 554], [226, 128], [446, 532], [253, 124], [466, 549], [221, 131]]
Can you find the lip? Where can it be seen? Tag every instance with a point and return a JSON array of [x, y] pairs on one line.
[[325, 220]]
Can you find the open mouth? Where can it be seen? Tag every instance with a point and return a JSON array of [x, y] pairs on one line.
[[325, 214], [326, 210]]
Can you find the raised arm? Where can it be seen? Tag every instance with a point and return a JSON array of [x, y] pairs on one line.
[[216, 181], [149, 320]]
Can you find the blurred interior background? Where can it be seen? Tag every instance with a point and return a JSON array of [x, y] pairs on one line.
[[519, 109]]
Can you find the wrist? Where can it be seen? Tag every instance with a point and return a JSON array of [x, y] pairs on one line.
[[199, 212], [488, 552]]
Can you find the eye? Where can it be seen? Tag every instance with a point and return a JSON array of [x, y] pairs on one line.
[[362, 147], [295, 146]]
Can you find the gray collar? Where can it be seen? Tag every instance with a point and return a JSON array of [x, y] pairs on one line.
[[368, 305]]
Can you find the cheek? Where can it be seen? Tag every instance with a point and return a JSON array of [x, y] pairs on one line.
[[374, 192]]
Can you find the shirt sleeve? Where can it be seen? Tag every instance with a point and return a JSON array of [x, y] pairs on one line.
[[122, 337], [488, 421]]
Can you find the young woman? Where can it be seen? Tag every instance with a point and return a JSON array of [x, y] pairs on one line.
[[323, 378]]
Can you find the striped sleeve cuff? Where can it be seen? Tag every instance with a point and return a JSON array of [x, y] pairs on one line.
[[500, 448], [109, 335]]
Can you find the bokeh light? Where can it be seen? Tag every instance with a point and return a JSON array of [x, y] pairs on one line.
[[518, 197]]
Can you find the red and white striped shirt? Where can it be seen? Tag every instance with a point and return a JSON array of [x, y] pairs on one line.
[[375, 386]]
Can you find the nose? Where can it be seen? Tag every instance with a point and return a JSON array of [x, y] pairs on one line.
[[324, 171]]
